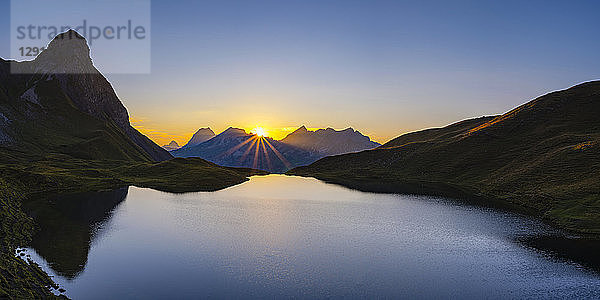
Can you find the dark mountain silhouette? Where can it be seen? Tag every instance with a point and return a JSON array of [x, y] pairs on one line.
[[329, 141], [201, 136], [61, 81], [171, 146], [543, 156], [59, 113], [235, 148]]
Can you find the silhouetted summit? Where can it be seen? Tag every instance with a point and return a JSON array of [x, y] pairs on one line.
[[53, 90], [171, 146], [201, 136]]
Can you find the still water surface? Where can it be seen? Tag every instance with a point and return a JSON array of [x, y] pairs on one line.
[[281, 236]]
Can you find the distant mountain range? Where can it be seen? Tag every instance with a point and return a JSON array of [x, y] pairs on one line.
[[543, 157], [329, 141], [236, 148], [201, 136]]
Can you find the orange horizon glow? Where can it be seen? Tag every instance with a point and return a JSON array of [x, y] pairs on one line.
[[164, 137], [167, 134]]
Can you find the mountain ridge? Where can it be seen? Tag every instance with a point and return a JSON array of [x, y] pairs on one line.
[[67, 65], [330, 141], [542, 157], [200, 136], [232, 148]]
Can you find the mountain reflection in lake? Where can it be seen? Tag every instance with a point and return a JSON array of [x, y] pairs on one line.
[[280, 236], [69, 224]]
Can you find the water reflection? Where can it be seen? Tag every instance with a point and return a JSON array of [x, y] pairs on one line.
[[68, 226], [288, 237]]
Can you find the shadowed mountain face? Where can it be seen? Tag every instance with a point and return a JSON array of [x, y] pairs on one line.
[[60, 102], [329, 141], [68, 226], [201, 136], [235, 148], [543, 155]]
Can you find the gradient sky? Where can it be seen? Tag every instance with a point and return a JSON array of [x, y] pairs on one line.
[[382, 67]]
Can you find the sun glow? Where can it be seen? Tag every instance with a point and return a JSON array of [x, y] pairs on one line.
[[259, 131]]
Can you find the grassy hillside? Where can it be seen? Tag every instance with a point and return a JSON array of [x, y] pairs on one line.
[[542, 157], [437, 133], [18, 279]]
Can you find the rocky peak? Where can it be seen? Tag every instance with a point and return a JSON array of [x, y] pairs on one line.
[[329, 141], [231, 131], [300, 131], [68, 53], [67, 64], [171, 146], [205, 131], [201, 136]]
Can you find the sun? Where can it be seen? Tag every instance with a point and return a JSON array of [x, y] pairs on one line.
[[259, 131]]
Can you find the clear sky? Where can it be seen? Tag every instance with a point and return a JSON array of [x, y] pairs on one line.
[[381, 67]]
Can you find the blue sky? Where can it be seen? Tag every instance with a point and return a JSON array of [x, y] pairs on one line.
[[382, 67]]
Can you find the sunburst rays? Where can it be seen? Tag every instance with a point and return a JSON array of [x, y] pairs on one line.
[[258, 147], [279, 155]]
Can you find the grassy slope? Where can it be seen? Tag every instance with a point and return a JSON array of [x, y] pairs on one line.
[[58, 148], [542, 157], [18, 279]]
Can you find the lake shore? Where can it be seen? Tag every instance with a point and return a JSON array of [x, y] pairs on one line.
[[292, 236], [443, 189], [46, 177]]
